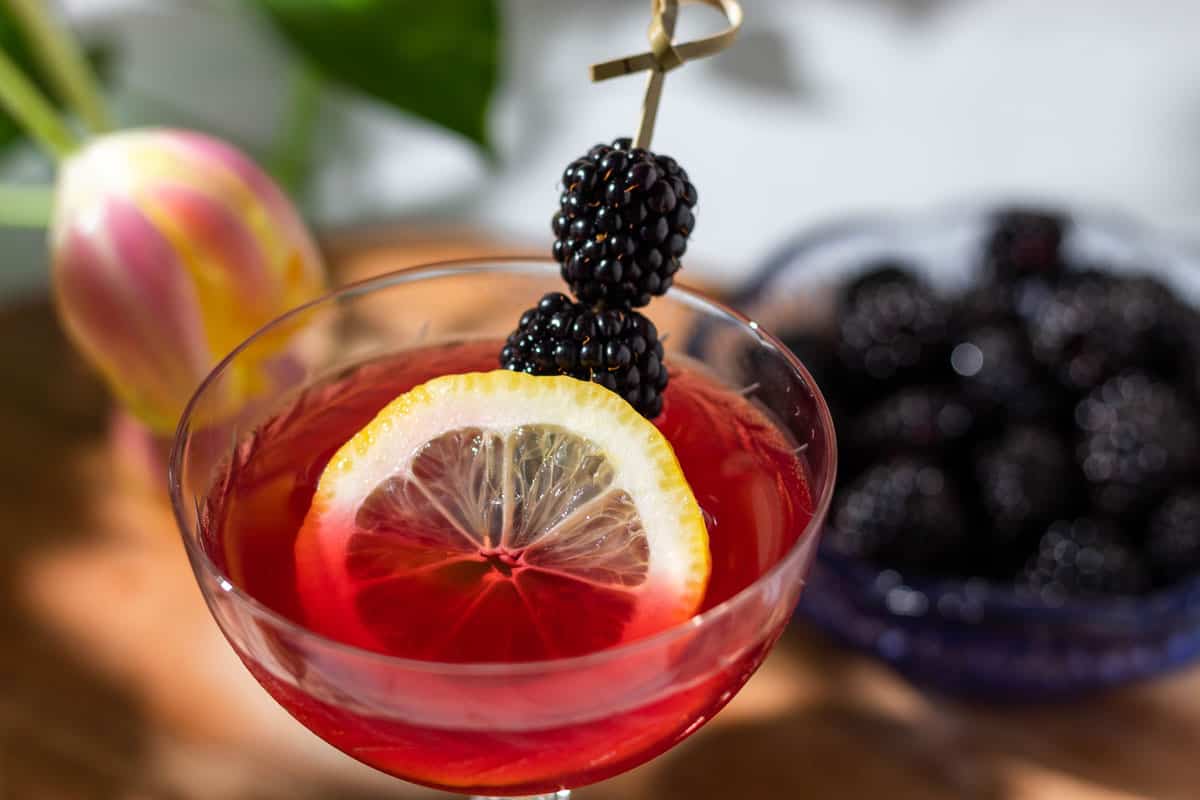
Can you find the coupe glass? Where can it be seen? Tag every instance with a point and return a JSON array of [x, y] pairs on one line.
[[493, 729]]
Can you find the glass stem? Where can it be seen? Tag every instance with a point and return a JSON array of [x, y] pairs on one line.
[[562, 794]]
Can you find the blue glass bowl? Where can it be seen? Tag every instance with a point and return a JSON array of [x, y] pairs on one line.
[[971, 637]]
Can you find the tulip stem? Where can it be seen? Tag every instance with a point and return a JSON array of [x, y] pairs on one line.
[[60, 56], [293, 142], [33, 112], [25, 206]]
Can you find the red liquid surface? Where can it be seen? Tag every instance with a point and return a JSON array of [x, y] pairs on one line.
[[742, 470]]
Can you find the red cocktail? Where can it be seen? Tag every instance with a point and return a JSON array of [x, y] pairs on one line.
[[482, 668]]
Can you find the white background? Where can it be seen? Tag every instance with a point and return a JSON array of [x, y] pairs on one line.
[[824, 108]]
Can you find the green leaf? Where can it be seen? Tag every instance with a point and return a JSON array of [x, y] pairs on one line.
[[12, 42], [437, 59]]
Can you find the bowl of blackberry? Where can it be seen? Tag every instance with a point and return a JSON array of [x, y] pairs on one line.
[[1017, 396]]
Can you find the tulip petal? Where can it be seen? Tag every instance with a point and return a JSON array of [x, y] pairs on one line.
[[289, 225], [220, 170], [170, 248], [132, 309], [236, 291]]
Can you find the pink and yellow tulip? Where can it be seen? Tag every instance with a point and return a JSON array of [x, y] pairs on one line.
[[169, 248]]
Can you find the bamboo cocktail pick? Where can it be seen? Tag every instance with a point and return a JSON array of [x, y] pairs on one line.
[[664, 55]]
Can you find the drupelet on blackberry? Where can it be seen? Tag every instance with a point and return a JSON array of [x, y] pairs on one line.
[[1081, 558], [623, 222], [1136, 437], [618, 349]]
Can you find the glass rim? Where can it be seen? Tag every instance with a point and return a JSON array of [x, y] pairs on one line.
[[201, 561]]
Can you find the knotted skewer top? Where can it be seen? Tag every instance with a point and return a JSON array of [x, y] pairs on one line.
[[664, 55]]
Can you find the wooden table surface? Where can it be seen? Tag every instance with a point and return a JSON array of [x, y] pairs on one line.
[[115, 683]]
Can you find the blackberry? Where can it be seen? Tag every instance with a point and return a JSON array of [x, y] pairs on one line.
[[623, 222], [916, 419], [890, 328], [887, 270], [1173, 539], [620, 350], [1002, 303], [903, 512], [985, 304], [1189, 380], [999, 375], [1096, 325], [814, 350], [1137, 436], [1154, 322], [1025, 243], [1069, 331], [1025, 480], [1083, 558]]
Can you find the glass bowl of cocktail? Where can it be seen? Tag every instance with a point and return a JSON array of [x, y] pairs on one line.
[[450, 638]]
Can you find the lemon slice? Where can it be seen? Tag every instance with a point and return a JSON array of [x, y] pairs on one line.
[[497, 517]]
